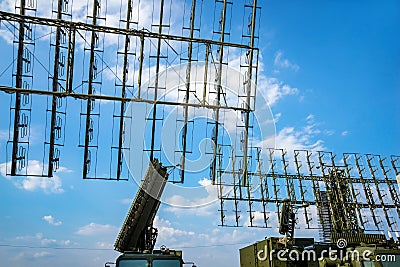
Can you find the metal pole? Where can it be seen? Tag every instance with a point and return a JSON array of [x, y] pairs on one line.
[[123, 91], [187, 95], [18, 84], [86, 160], [249, 78], [219, 87], [140, 66], [55, 89], [153, 128]]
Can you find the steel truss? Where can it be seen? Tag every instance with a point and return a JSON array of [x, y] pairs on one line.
[[75, 42], [366, 199]]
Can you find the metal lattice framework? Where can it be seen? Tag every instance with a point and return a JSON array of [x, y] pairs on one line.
[[85, 63], [99, 53], [368, 192]]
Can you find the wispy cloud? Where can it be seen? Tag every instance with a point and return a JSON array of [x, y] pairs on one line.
[[41, 240], [33, 256], [283, 63], [126, 200], [41, 254], [93, 229], [291, 138], [345, 133], [310, 118], [306, 137], [38, 236], [271, 88], [51, 220], [169, 232], [103, 245], [35, 183]]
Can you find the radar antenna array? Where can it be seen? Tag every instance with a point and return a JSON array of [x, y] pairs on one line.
[[356, 193], [84, 64]]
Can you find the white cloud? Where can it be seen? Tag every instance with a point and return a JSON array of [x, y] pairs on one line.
[[277, 116], [50, 219], [329, 132], [270, 87], [104, 245], [200, 203], [41, 254], [205, 182], [95, 229], [126, 201], [168, 233], [291, 139], [304, 138], [35, 183], [29, 257], [345, 133], [283, 63], [311, 127], [274, 90], [37, 236], [48, 241], [310, 118], [41, 240]]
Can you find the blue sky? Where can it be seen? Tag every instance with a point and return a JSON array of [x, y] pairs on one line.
[[332, 74]]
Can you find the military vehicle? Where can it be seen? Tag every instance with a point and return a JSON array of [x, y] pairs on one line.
[[137, 236], [348, 245]]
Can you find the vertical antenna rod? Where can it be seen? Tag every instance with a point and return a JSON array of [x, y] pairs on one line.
[[219, 87], [186, 108], [90, 89], [55, 89], [123, 91], [18, 84], [249, 77], [153, 128]]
